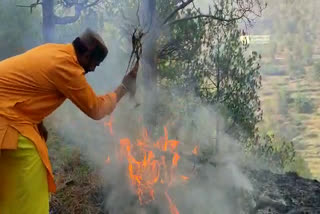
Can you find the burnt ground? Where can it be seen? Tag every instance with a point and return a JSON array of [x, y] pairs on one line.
[[284, 193], [273, 194]]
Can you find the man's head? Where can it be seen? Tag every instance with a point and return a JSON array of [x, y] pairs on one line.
[[90, 50]]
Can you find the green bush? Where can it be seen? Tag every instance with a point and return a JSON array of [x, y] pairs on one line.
[[283, 102], [300, 166], [304, 104], [296, 68], [279, 154]]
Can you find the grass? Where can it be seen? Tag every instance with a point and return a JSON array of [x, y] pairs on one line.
[[312, 135], [79, 189]]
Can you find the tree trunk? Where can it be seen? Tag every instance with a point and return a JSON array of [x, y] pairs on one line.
[[149, 75], [217, 134], [48, 21], [149, 52], [218, 102]]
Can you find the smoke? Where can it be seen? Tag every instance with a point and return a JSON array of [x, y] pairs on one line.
[[18, 32], [216, 182]]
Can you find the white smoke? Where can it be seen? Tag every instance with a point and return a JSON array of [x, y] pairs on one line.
[[216, 181]]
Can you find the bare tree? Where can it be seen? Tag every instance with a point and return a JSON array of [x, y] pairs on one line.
[[50, 19]]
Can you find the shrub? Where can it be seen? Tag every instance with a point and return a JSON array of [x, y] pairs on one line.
[[296, 68], [304, 104], [283, 102], [279, 155]]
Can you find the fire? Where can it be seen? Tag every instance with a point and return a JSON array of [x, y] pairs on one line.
[[184, 177], [152, 165], [145, 169], [107, 160], [172, 206], [109, 124]]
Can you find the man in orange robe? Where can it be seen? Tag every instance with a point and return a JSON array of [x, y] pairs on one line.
[[33, 85]]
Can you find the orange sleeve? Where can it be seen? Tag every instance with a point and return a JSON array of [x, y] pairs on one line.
[[70, 81]]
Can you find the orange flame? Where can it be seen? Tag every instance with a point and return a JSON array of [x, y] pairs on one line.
[[109, 124], [172, 206], [150, 164], [145, 168], [175, 160], [107, 160], [184, 177]]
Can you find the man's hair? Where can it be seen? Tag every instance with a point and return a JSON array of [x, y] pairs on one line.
[[79, 46], [91, 41]]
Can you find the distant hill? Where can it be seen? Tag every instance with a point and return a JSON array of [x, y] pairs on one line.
[[290, 92]]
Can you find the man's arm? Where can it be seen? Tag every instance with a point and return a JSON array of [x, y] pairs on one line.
[[69, 80], [73, 84], [120, 92]]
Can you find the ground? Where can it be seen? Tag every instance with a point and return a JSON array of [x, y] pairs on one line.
[[82, 191], [284, 193]]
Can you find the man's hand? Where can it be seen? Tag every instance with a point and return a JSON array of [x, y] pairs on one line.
[[43, 131], [129, 81]]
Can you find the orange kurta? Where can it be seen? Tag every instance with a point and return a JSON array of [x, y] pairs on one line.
[[34, 84]]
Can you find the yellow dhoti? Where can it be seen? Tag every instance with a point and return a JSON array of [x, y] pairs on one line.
[[23, 180]]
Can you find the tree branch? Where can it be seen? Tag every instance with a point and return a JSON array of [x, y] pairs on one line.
[[78, 9], [241, 12], [208, 16], [213, 83], [66, 19], [92, 4], [31, 6], [183, 5]]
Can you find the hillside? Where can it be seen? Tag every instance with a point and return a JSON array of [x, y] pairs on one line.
[[279, 95], [290, 93]]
